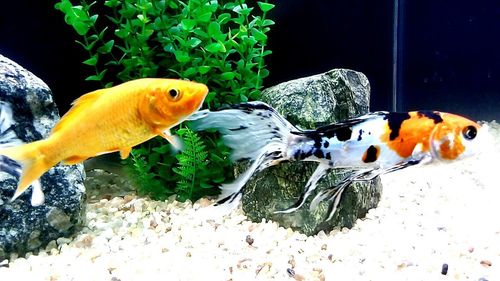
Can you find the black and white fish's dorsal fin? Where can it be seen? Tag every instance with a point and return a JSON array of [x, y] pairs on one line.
[[330, 129], [352, 121]]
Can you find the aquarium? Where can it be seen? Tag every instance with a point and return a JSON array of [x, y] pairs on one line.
[[241, 140]]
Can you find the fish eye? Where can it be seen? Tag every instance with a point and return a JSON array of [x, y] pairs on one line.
[[469, 132], [174, 94]]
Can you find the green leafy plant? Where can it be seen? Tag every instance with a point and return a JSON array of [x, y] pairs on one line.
[[216, 42], [191, 174], [192, 167]]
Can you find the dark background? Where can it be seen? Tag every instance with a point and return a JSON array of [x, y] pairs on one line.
[[447, 52], [450, 57]]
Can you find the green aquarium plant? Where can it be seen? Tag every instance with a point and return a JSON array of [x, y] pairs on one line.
[[219, 43]]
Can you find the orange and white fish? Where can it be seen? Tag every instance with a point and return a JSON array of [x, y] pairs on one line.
[[108, 120], [373, 144]]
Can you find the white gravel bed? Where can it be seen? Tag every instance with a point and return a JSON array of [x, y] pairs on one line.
[[428, 216]]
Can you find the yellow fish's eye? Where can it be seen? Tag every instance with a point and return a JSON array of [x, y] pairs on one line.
[[174, 94], [469, 132]]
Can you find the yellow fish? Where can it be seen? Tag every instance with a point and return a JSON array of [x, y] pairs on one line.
[[109, 120]]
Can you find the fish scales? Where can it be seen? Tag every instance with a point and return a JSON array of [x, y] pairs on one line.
[[112, 134], [325, 145]]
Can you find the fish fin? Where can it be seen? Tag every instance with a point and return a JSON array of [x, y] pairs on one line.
[[175, 141], [334, 193], [335, 127], [33, 163], [125, 152], [7, 135], [321, 171], [267, 157], [37, 197], [247, 128], [75, 159], [218, 211], [78, 106], [254, 131]]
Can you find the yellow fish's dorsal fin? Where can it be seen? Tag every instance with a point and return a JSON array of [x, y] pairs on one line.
[[79, 105]]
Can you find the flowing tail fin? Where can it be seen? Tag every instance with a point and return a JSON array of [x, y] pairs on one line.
[[255, 132], [32, 161], [33, 165]]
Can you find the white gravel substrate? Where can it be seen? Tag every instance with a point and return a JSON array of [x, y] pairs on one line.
[[428, 216]]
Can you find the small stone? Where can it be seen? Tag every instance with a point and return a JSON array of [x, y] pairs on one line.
[[63, 240], [85, 242], [444, 269], [153, 224], [485, 263], [204, 202], [58, 219], [249, 240], [299, 277], [290, 272], [318, 274], [292, 262], [127, 198], [242, 263], [265, 268], [52, 244]]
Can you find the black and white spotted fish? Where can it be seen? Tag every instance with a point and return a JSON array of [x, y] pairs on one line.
[[373, 144], [8, 138]]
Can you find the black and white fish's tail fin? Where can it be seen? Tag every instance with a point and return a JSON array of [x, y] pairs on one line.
[[255, 132], [7, 135], [9, 141]]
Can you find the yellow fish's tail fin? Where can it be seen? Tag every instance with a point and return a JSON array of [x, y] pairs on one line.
[[33, 162]]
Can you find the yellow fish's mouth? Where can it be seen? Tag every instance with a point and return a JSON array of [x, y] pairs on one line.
[[196, 102]]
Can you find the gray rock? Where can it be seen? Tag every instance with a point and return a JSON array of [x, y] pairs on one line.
[[24, 227], [308, 103]]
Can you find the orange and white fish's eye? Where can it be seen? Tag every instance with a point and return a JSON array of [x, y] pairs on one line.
[[174, 94], [469, 132]]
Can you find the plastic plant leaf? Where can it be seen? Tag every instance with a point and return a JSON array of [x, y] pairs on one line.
[[181, 56], [106, 48], [188, 24], [265, 7], [214, 47], [91, 61]]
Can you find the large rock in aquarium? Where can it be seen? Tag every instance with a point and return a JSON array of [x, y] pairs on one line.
[[308, 103], [23, 227]]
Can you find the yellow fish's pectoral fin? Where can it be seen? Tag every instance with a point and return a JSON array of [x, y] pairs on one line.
[[75, 159], [78, 106], [125, 152], [175, 141]]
